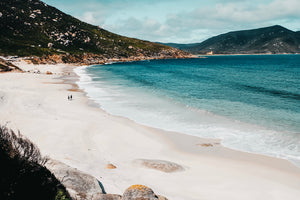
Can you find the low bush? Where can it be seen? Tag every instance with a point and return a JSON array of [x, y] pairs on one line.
[[23, 174]]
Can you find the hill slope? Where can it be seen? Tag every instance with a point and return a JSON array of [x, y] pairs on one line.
[[271, 40], [31, 27]]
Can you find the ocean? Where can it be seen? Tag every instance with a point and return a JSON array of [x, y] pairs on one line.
[[251, 102]]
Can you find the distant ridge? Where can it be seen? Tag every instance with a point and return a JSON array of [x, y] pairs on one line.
[[269, 40], [33, 28]]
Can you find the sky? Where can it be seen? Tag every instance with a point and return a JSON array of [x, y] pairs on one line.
[[181, 21]]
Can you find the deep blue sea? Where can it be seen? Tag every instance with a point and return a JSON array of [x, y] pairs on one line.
[[251, 102]]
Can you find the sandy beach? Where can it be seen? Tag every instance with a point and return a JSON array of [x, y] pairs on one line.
[[85, 137]]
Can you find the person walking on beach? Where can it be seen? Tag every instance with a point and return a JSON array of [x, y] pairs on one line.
[[70, 97]]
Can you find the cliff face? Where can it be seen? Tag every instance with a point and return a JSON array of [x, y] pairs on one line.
[[33, 28], [268, 40]]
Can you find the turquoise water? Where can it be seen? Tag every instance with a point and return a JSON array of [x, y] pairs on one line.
[[251, 102]]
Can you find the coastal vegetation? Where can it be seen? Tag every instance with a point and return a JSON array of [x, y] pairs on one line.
[[23, 174]]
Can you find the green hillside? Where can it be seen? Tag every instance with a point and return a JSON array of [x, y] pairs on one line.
[[31, 27], [267, 40]]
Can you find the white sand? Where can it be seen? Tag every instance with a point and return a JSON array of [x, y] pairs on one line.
[[85, 137]]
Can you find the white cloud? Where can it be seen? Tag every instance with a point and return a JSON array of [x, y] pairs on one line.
[[89, 17], [224, 17], [193, 21]]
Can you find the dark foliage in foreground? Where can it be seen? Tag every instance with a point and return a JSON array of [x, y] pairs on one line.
[[22, 174]]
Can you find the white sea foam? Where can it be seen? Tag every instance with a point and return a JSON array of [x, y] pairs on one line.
[[156, 110]]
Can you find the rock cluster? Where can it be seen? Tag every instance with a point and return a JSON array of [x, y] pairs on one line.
[[82, 186], [91, 58]]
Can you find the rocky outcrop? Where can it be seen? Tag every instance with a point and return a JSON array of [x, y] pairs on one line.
[[6, 66], [92, 59], [140, 192], [79, 184], [160, 165], [82, 186]]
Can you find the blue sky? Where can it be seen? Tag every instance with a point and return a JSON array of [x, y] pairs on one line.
[[182, 21]]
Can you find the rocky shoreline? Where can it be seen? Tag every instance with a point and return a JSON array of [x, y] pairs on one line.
[[92, 59]]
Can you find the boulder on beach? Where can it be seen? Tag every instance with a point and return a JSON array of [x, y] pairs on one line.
[[79, 184], [140, 192], [161, 165]]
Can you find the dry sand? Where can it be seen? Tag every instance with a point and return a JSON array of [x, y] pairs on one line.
[[80, 134]]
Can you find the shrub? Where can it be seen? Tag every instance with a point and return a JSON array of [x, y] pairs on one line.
[[22, 174]]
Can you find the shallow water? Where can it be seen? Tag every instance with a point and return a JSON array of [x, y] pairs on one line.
[[251, 102]]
